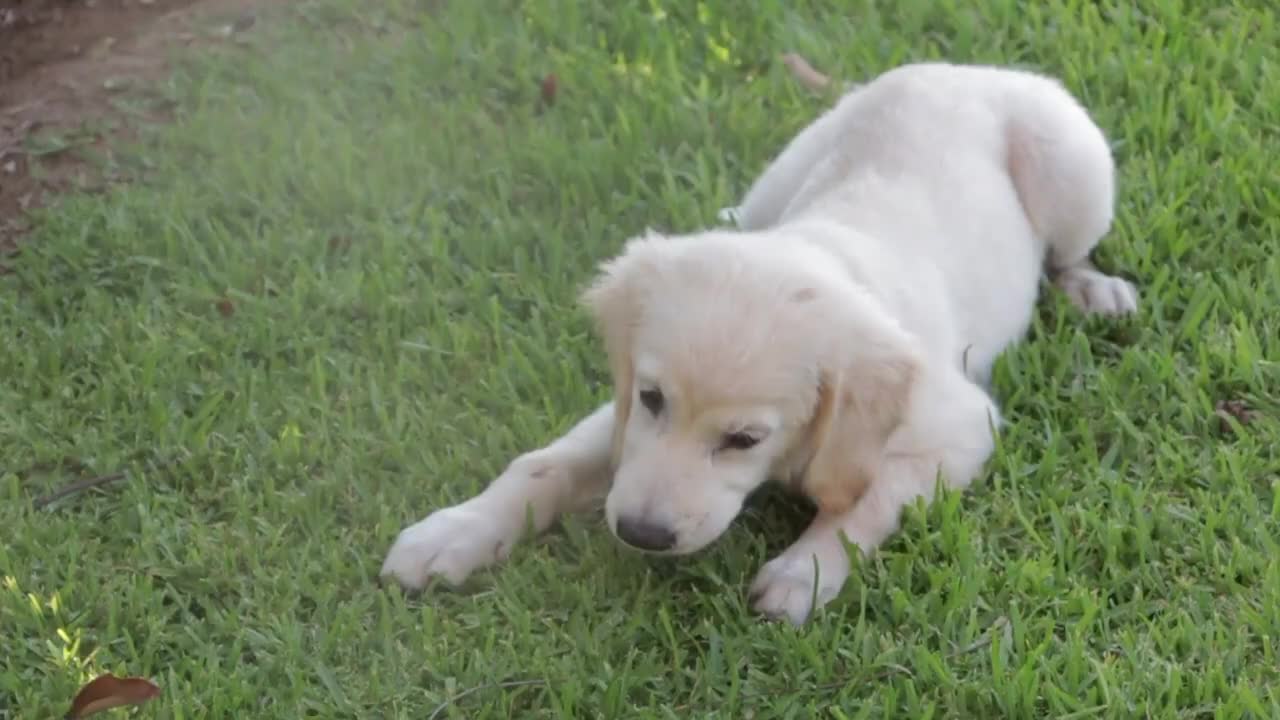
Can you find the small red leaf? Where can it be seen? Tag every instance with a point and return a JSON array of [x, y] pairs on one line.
[[1227, 410], [549, 87], [108, 691]]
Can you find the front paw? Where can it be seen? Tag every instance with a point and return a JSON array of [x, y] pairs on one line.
[[449, 544], [797, 583]]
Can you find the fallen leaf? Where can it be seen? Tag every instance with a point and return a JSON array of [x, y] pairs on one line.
[[1226, 410], [804, 72], [226, 308], [108, 691], [549, 88], [339, 243], [239, 25], [244, 22]]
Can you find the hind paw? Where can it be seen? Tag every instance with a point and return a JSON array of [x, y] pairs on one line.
[[1095, 292]]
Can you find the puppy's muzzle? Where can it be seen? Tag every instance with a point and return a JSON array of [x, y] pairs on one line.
[[645, 535]]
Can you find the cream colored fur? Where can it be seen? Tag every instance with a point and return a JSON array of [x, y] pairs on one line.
[[847, 328]]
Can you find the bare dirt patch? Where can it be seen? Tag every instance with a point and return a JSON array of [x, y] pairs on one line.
[[64, 67]]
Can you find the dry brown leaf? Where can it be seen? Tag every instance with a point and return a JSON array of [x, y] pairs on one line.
[[1226, 410], [549, 88], [244, 22], [340, 243], [108, 691], [804, 72]]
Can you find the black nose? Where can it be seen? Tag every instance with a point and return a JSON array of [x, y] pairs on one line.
[[644, 535]]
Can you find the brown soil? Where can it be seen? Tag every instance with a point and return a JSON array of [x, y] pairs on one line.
[[64, 65]]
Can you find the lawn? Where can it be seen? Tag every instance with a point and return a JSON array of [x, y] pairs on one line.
[[341, 293]]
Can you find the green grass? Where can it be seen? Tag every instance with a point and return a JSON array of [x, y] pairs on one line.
[[341, 294]]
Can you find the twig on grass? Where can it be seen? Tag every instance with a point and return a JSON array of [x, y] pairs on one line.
[[887, 671], [87, 483], [490, 686], [987, 638], [77, 486]]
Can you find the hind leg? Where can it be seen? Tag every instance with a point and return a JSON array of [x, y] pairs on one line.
[[1094, 291], [1062, 168], [781, 185], [777, 186]]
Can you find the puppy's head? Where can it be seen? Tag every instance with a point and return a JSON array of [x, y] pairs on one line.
[[735, 358]]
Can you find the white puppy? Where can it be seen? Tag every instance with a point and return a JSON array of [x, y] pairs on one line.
[[839, 342]]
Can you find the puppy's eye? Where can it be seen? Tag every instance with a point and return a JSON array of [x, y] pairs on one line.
[[739, 441], [652, 400]]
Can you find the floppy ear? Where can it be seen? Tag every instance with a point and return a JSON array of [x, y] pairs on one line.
[[864, 388], [614, 303]]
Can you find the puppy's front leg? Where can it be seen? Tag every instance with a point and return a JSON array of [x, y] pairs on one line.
[[454, 542], [812, 571]]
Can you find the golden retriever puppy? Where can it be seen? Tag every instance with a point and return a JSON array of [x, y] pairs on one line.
[[838, 341]]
